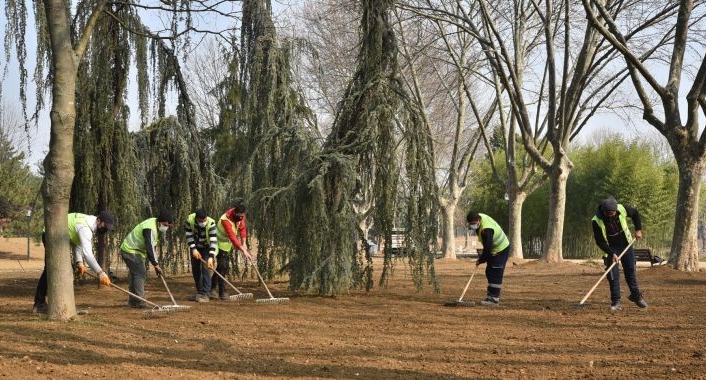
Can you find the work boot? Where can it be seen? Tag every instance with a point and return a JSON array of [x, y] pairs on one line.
[[224, 296], [202, 298], [639, 301], [40, 308], [193, 297], [491, 301], [616, 306], [213, 295]]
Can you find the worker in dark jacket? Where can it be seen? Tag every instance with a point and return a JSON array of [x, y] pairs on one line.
[[496, 248], [612, 235]]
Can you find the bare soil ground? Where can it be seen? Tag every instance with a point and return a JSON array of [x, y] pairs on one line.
[[539, 332]]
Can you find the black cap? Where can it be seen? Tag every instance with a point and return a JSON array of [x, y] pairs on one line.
[[165, 216], [472, 216], [609, 204], [201, 214], [106, 218]]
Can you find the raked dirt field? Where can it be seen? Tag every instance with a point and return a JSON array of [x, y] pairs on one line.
[[539, 332]]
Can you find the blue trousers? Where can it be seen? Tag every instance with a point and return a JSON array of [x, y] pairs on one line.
[[494, 272], [629, 264], [202, 276]]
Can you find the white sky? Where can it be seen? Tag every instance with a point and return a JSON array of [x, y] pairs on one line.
[[39, 136]]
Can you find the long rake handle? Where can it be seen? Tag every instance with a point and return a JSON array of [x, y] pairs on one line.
[[127, 292], [222, 278], [260, 277], [468, 283], [168, 291], [606, 273]]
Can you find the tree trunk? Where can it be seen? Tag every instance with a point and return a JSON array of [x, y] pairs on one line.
[[59, 165], [557, 205], [448, 235], [514, 232], [685, 248]]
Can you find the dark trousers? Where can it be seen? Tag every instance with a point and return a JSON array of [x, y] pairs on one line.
[[223, 261], [629, 264], [40, 296], [494, 272], [202, 276]]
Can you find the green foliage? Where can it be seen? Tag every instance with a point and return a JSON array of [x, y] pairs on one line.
[[631, 171], [18, 188]]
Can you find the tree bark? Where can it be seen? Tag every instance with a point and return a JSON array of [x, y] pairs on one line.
[[514, 232], [448, 235], [684, 255], [557, 205], [59, 165]]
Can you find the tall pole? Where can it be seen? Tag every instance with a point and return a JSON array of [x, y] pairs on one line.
[[29, 219]]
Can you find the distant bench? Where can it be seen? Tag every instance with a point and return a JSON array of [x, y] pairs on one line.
[[645, 254]]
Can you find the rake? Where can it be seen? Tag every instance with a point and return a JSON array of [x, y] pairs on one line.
[[156, 309], [605, 274], [232, 297], [271, 299], [460, 301], [174, 305]]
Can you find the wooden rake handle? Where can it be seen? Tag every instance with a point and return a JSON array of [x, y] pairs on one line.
[[166, 287], [222, 278], [606, 273], [127, 292], [260, 277], [468, 283]]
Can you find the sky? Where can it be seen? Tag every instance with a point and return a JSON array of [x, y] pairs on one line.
[[39, 134]]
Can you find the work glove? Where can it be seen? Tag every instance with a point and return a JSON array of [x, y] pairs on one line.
[[158, 270], [210, 263], [195, 254], [104, 279], [81, 269]]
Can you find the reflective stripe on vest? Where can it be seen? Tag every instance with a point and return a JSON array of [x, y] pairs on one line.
[[135, 243], [500, 240], [622, 217]]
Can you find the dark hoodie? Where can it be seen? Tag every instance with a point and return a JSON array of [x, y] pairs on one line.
[[616, 238]]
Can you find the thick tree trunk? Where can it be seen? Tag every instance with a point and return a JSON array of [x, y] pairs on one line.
[[59, 165], [557, 204], [514, 232], [448, 234], [685, 248]]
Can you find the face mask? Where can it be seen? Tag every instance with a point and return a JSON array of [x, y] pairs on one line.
[[474, 226], [237, 218], [163, 228], [202, 224]]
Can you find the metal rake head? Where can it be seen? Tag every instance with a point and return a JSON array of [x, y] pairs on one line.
[[460, 304], [241, 296], [156, 311], [176, 307], [272, 300]]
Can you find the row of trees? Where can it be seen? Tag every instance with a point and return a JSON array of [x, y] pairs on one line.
[[635, 172], [434, 87], [18, 185]]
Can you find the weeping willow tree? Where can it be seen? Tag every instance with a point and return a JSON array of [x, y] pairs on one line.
[[103, 153], [277, 128], [62, 41], [315, 217], [110, 170]]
